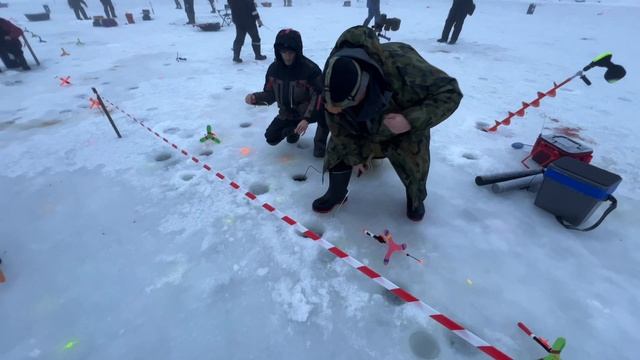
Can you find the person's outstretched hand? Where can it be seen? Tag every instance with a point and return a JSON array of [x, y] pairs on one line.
[[302, 127]]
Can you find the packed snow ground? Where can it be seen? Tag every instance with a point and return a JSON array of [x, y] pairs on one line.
[[124, 249]]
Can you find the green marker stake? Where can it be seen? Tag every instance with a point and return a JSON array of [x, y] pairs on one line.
[[210, 136]]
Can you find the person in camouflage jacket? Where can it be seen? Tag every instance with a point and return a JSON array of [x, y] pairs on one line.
[[381, 101]]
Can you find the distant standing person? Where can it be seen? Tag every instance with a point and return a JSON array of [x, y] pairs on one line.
[[374, 11], [191, 13], [458, 12], [246, 18], [108, 9], [76, 5]]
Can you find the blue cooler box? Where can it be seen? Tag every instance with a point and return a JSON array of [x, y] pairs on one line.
[[572, 190]]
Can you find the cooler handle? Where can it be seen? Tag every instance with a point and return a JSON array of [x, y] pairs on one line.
[[612, 206]]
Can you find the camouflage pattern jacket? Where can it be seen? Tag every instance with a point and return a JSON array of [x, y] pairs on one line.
[[424, 94]]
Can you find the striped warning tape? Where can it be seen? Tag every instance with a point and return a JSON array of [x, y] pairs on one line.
[[442, 319]]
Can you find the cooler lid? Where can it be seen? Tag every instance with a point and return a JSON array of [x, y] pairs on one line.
[[566, 144], [596, 175]]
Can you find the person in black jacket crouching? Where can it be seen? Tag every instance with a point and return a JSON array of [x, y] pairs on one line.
[[295, 83]]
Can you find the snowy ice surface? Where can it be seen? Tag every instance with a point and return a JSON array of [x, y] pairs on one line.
[[124, 249]]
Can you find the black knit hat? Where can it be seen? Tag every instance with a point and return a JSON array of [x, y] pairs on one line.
[[344, 77], [288, 39]]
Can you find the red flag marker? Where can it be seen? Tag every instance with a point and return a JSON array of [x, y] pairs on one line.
[[65, 81], [95, 104]]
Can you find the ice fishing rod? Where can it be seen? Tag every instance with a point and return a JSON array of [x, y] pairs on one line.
[[554, 350], [614, 73], [178, 58], [542, 341], [392, 246]]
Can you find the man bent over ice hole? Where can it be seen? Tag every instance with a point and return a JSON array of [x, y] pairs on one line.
[[381, 101]]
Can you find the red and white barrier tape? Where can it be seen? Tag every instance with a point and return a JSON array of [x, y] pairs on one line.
[[443, 320]]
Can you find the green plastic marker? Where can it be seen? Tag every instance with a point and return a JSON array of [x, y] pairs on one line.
[[210, 136]]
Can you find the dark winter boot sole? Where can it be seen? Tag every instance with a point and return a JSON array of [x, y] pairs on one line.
[[261, 57], [337, 192], [417, 218], [442, 40], [415, 214], [326, 211], [237, 61]]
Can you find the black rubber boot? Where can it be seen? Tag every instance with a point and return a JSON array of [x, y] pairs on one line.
[[337, 192], [442, 40], [320, 142], [293, 138], [236, 55], [415, 212], [256, 50]]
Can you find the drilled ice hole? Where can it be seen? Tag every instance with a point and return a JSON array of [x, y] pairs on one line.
[[171, 130], [317, 228], [299, 177], [470, 156], [424, 345], [163, 157], [259, 188]]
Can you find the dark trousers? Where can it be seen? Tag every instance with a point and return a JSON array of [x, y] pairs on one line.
[[455, 20], [279, 129], [109, 11], [80, 11], [373, 13], [191, 13], [11, 54], [241, 34]]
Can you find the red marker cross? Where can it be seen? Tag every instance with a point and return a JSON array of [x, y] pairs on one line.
[[65, 81]]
